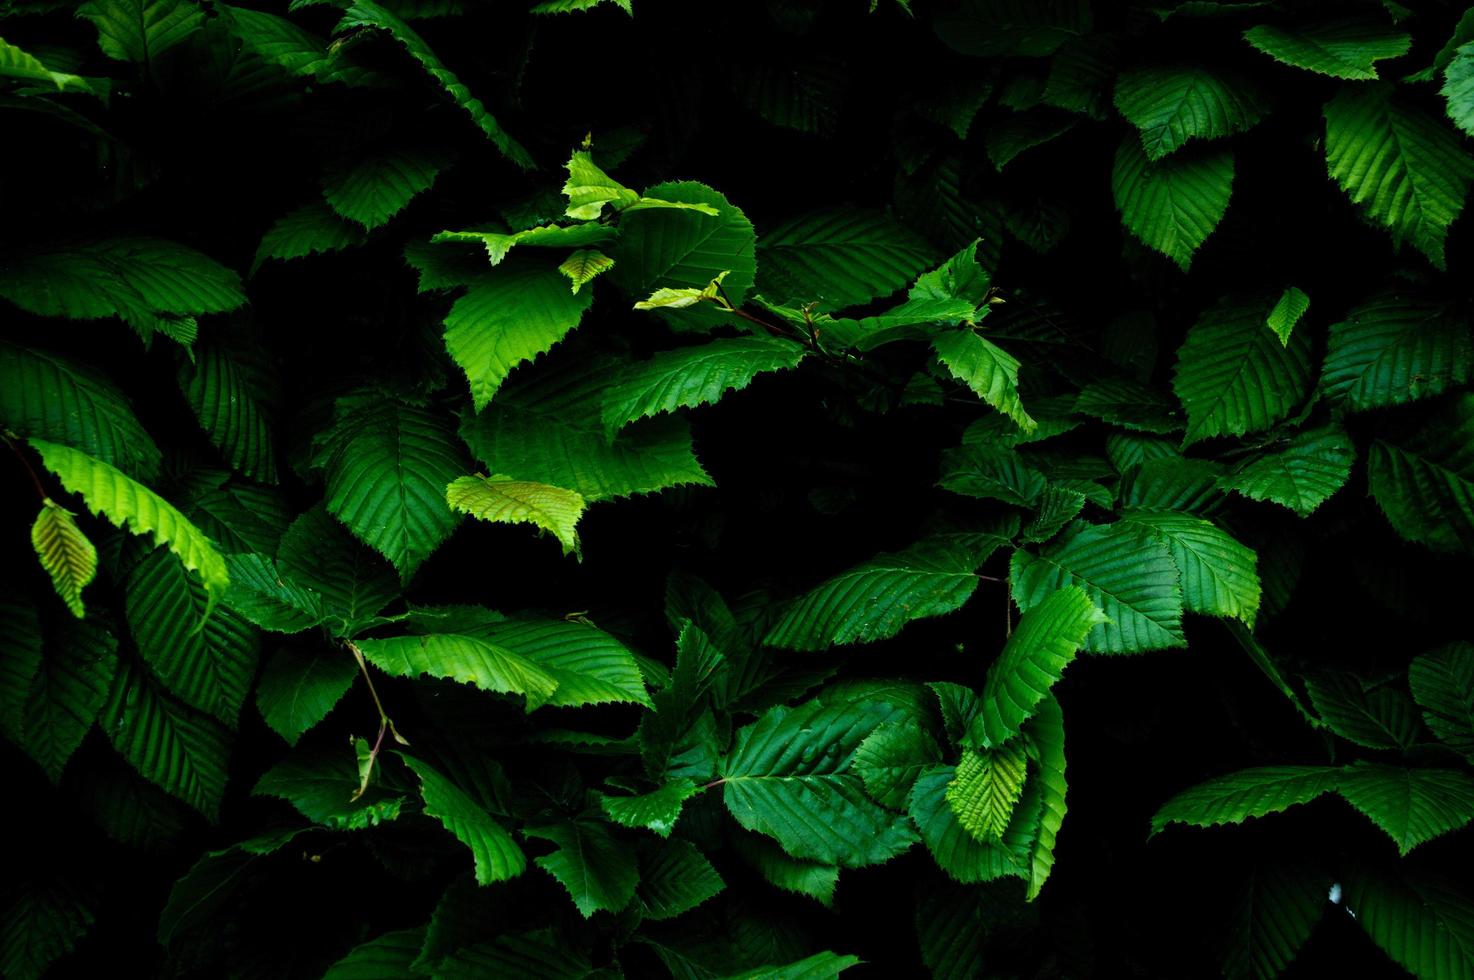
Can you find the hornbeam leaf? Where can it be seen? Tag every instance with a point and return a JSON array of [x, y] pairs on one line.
[[368, 15], [1422, 922], [1394, 349], [15, 63], [839, 258], [1400, 163], [599, 872], [66, 554], [808, 878], [1442, 682], [1128, 573], [499, 498], [1425, 485], [657, 810], [958, 853], [985, 789], [260, 593], [48, 396], [131, 506], [225, 390], [1173, 204], [675, 877], [510, 315], [141, 30], [789, 776], [321, 784], [1233, 376], [989, 370], [1458, 87], [1412, 806], [892, 757], [590, 666], [369, 189], [390, 955], [298, 689], [589, 188], [1033, 660], [1046, 737], [1286, 313], [498, 244], [1171, 105], [583, 265], [1378, 718], [1278, 909], [875, 599], [1248, 793], [496, 855], [691, 376], [465, 659], [1342, 49], [821, 966], [1302, 475], [1220, 576], [64, 695], [386, 479]]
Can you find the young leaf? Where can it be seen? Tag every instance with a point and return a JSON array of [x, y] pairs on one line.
[[133, 507], [1128, 573], [66, 554], [583, 265], [1346, 49], [497, 856], [498, 244], [1286, 313], [985, 789], [1174, 204], [499, 498], [1033, 659], [1400, 163], [1233, 376], [508, 316], [599, 872], [1171, 105]]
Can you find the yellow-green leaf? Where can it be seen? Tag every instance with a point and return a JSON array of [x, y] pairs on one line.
[[66, 554]]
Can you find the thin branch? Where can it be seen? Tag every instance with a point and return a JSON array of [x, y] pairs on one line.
[[10, 440]]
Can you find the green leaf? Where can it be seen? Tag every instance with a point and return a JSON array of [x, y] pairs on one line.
[[1174, 204], [952, 927], [811, 879], [1130, 406], [1458, 88], [674, 878], [1401, 164], [1421, 922], [1033, 660], [260, 593], [44, 920], [464, 659], [507, 317], [132, 507], [1286, 313], [497, 856], [985, 788], [1019, 132], [206, 663], [1412, 806], [958, 853], [568, 6], [65, 694], [298, 52], [691, 376], [226, 391], [789, 776], [875, 599], [498, 244], [369, 189], [1124, 570], [183, 752], [680, 247], [583, 265], [820, 966], [213, 883], [839, 258], [1173, 104], [891, 758], [298, 689], [1248, 793], [540, 955], [988, 28], [1278, 908], [1233, 375], [141, 30], [367, 15], [20, 662], [591, 666], [240, 517], [1220, 576], [18, 64], [322, 786], [657, 810], [47, 396], [1442, 682], [1046, 736], [390, 955], [313, 229], [499, 498], [386, 480], [987, 369], [319, 555], [1395, 349], [1378, 718], [152, 284], [589, 188], [1302, 475], [1346, 49], [599, 872], [1425, 486], [66, 554]]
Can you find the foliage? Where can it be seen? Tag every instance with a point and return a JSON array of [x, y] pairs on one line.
[[594, 489]]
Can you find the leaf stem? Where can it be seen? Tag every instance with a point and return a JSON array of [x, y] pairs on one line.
[[10, 440], [386, 724]]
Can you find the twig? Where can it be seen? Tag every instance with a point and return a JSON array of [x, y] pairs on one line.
[[10, 440]]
